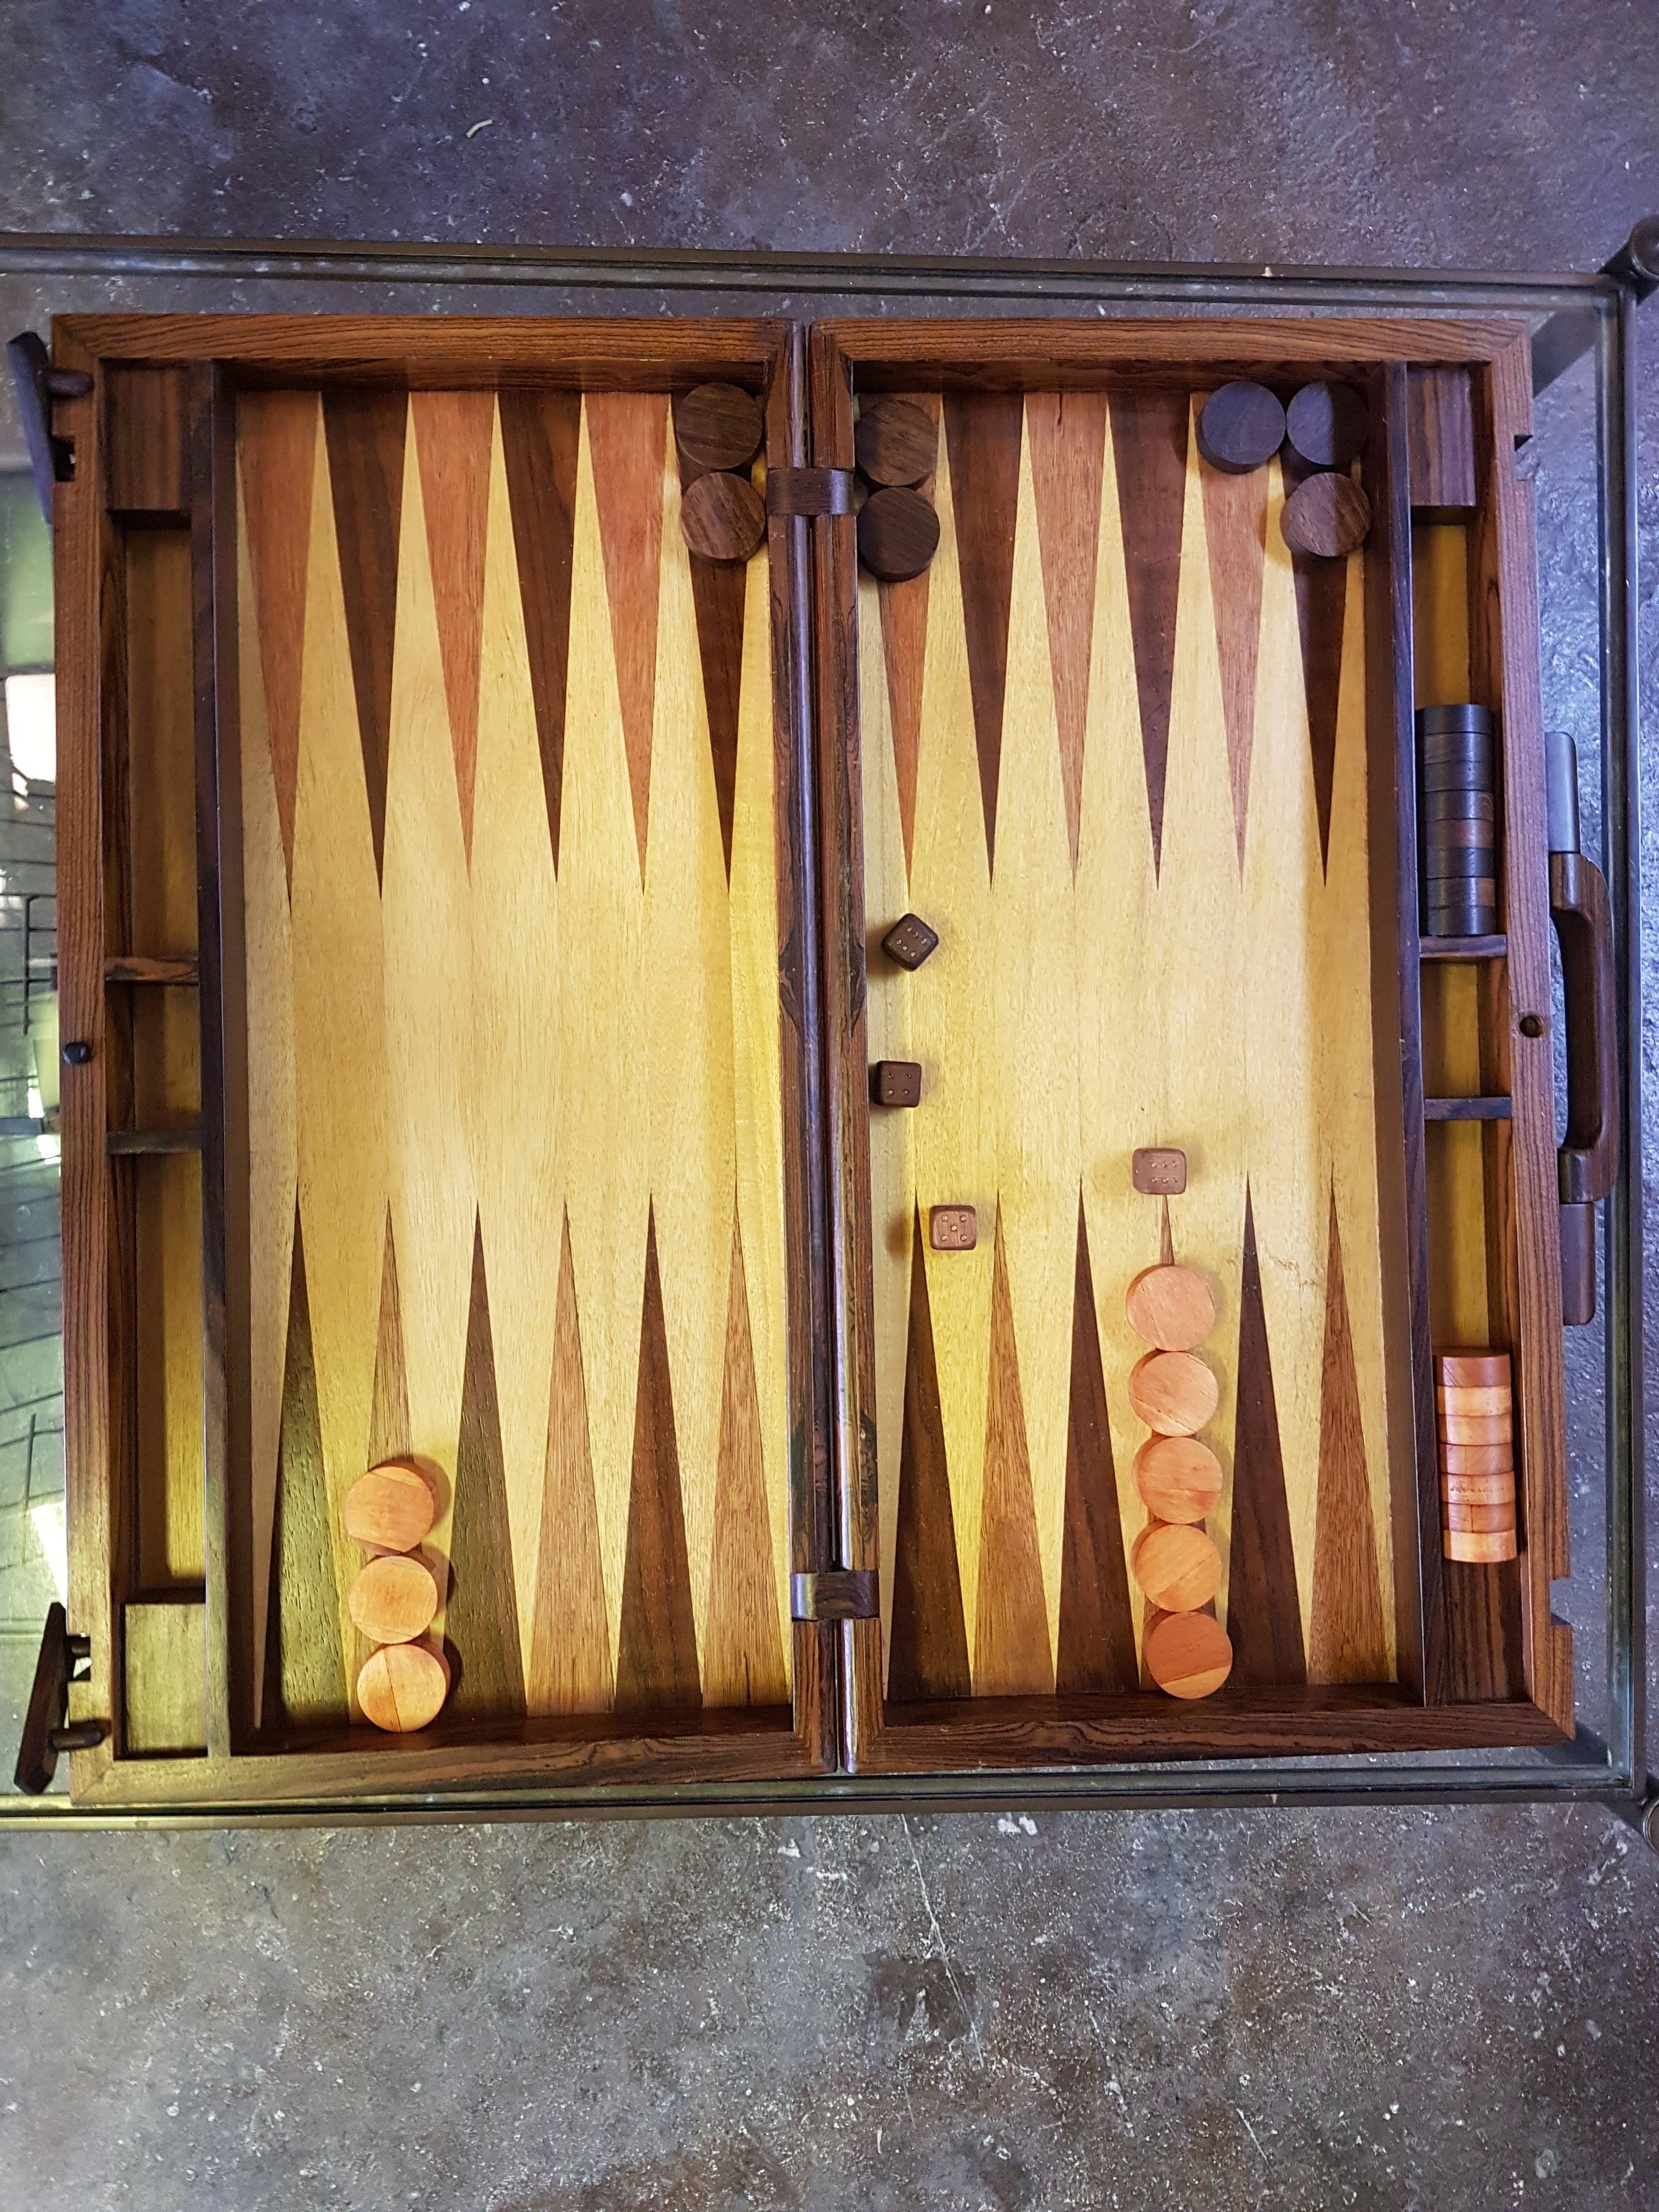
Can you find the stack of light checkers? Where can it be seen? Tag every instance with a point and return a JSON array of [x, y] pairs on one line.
[[394, 1601], [1187, 1651], [1460, 830], [1475, 1411]]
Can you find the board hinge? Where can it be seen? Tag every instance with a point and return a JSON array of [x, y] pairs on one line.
[[809, 491], [837, 1594]]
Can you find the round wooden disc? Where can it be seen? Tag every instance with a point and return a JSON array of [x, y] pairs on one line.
[[1327, 423], [1478, 1549], [394, 1598], [1174, 1392], [1478, 1489], [899, 534], [1325, 515], [1481, 1517], [1241, 428], [1468, 1398], [1176, 1564], [390, 1507], [403, 1686], [1170, 1307], [723, 518], [1477, 1459], [1453, 1369], [1187, 1654], [719, 426], [894, 443], [1476, 1428], [1179, 1479]]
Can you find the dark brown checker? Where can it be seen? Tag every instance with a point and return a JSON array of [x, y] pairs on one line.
[[1328, 516], [723, 518], [1328, 424], [899, 534], [719, 426], [894, 441], [1241, 428]]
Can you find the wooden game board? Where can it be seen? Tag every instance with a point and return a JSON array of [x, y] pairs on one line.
[[516, 1122], [473, 901], [1112, 745]]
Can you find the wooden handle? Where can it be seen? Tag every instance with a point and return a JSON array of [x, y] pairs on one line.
[[1584, 926]]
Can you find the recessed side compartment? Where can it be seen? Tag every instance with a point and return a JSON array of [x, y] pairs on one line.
[[481, 662], [1128, 744]]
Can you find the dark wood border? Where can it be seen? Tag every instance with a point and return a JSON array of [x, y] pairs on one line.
[[1047, 1731], [215, 353]]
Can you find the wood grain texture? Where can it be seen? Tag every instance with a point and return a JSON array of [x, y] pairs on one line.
[[657, 1650], [1236, 536], [570, 1667], [984, 443], [1013, 1652], [1346, 1641], [1264, 1612], [1094, 1652], [481, 1616], [367, 432], [594, 1038], [540, 432], [453, 439], [928, 1648], [1149, 436], [1066, 435]]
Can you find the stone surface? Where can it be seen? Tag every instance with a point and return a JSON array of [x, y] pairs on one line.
[[1005, 2009]]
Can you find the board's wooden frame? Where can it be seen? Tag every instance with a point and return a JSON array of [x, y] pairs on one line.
[[1457, 1688], [175, 462]]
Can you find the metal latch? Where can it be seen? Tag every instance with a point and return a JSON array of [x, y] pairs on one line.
[[47, 1729], [51, 458]]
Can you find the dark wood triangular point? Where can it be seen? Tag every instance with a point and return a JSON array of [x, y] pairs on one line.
[[1235, 529], [1096, 1654], [1012, 1655], [305, 1676], [482, 1617], [388, 1427], [982, 433], [657, 1653], [1067, 431], [1345, 1639], [1321, 598], [366, 431], [1264, 1611], [928, 1654], [1149, 448], [743, 1643], [628, 433], [540, 434], [454, 432], [570, 1637], [276, 443]]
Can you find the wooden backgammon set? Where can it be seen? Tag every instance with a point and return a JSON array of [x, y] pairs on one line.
[[796, 1051]]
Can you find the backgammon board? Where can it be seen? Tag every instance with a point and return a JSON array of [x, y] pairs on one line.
[[676, 1001]]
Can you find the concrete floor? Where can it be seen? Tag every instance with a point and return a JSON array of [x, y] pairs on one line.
[[1006, 2009]]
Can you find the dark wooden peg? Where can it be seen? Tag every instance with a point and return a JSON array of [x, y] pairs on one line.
[[1159, 1171], [723, 518], [77, 1053], [1241, 428], [719, 426], [899, 534], [952, 1228], [1327, 516], [894, 443], [909, 941], [1326, 424], [896, 1083]]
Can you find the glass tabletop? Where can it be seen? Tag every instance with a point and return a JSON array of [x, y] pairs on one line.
[[1579, 462]]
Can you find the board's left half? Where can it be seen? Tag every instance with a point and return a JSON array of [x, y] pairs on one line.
[[516, 1169]]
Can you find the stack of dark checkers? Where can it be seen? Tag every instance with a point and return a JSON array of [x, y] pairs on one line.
[[896, 444], [1454, 748]]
